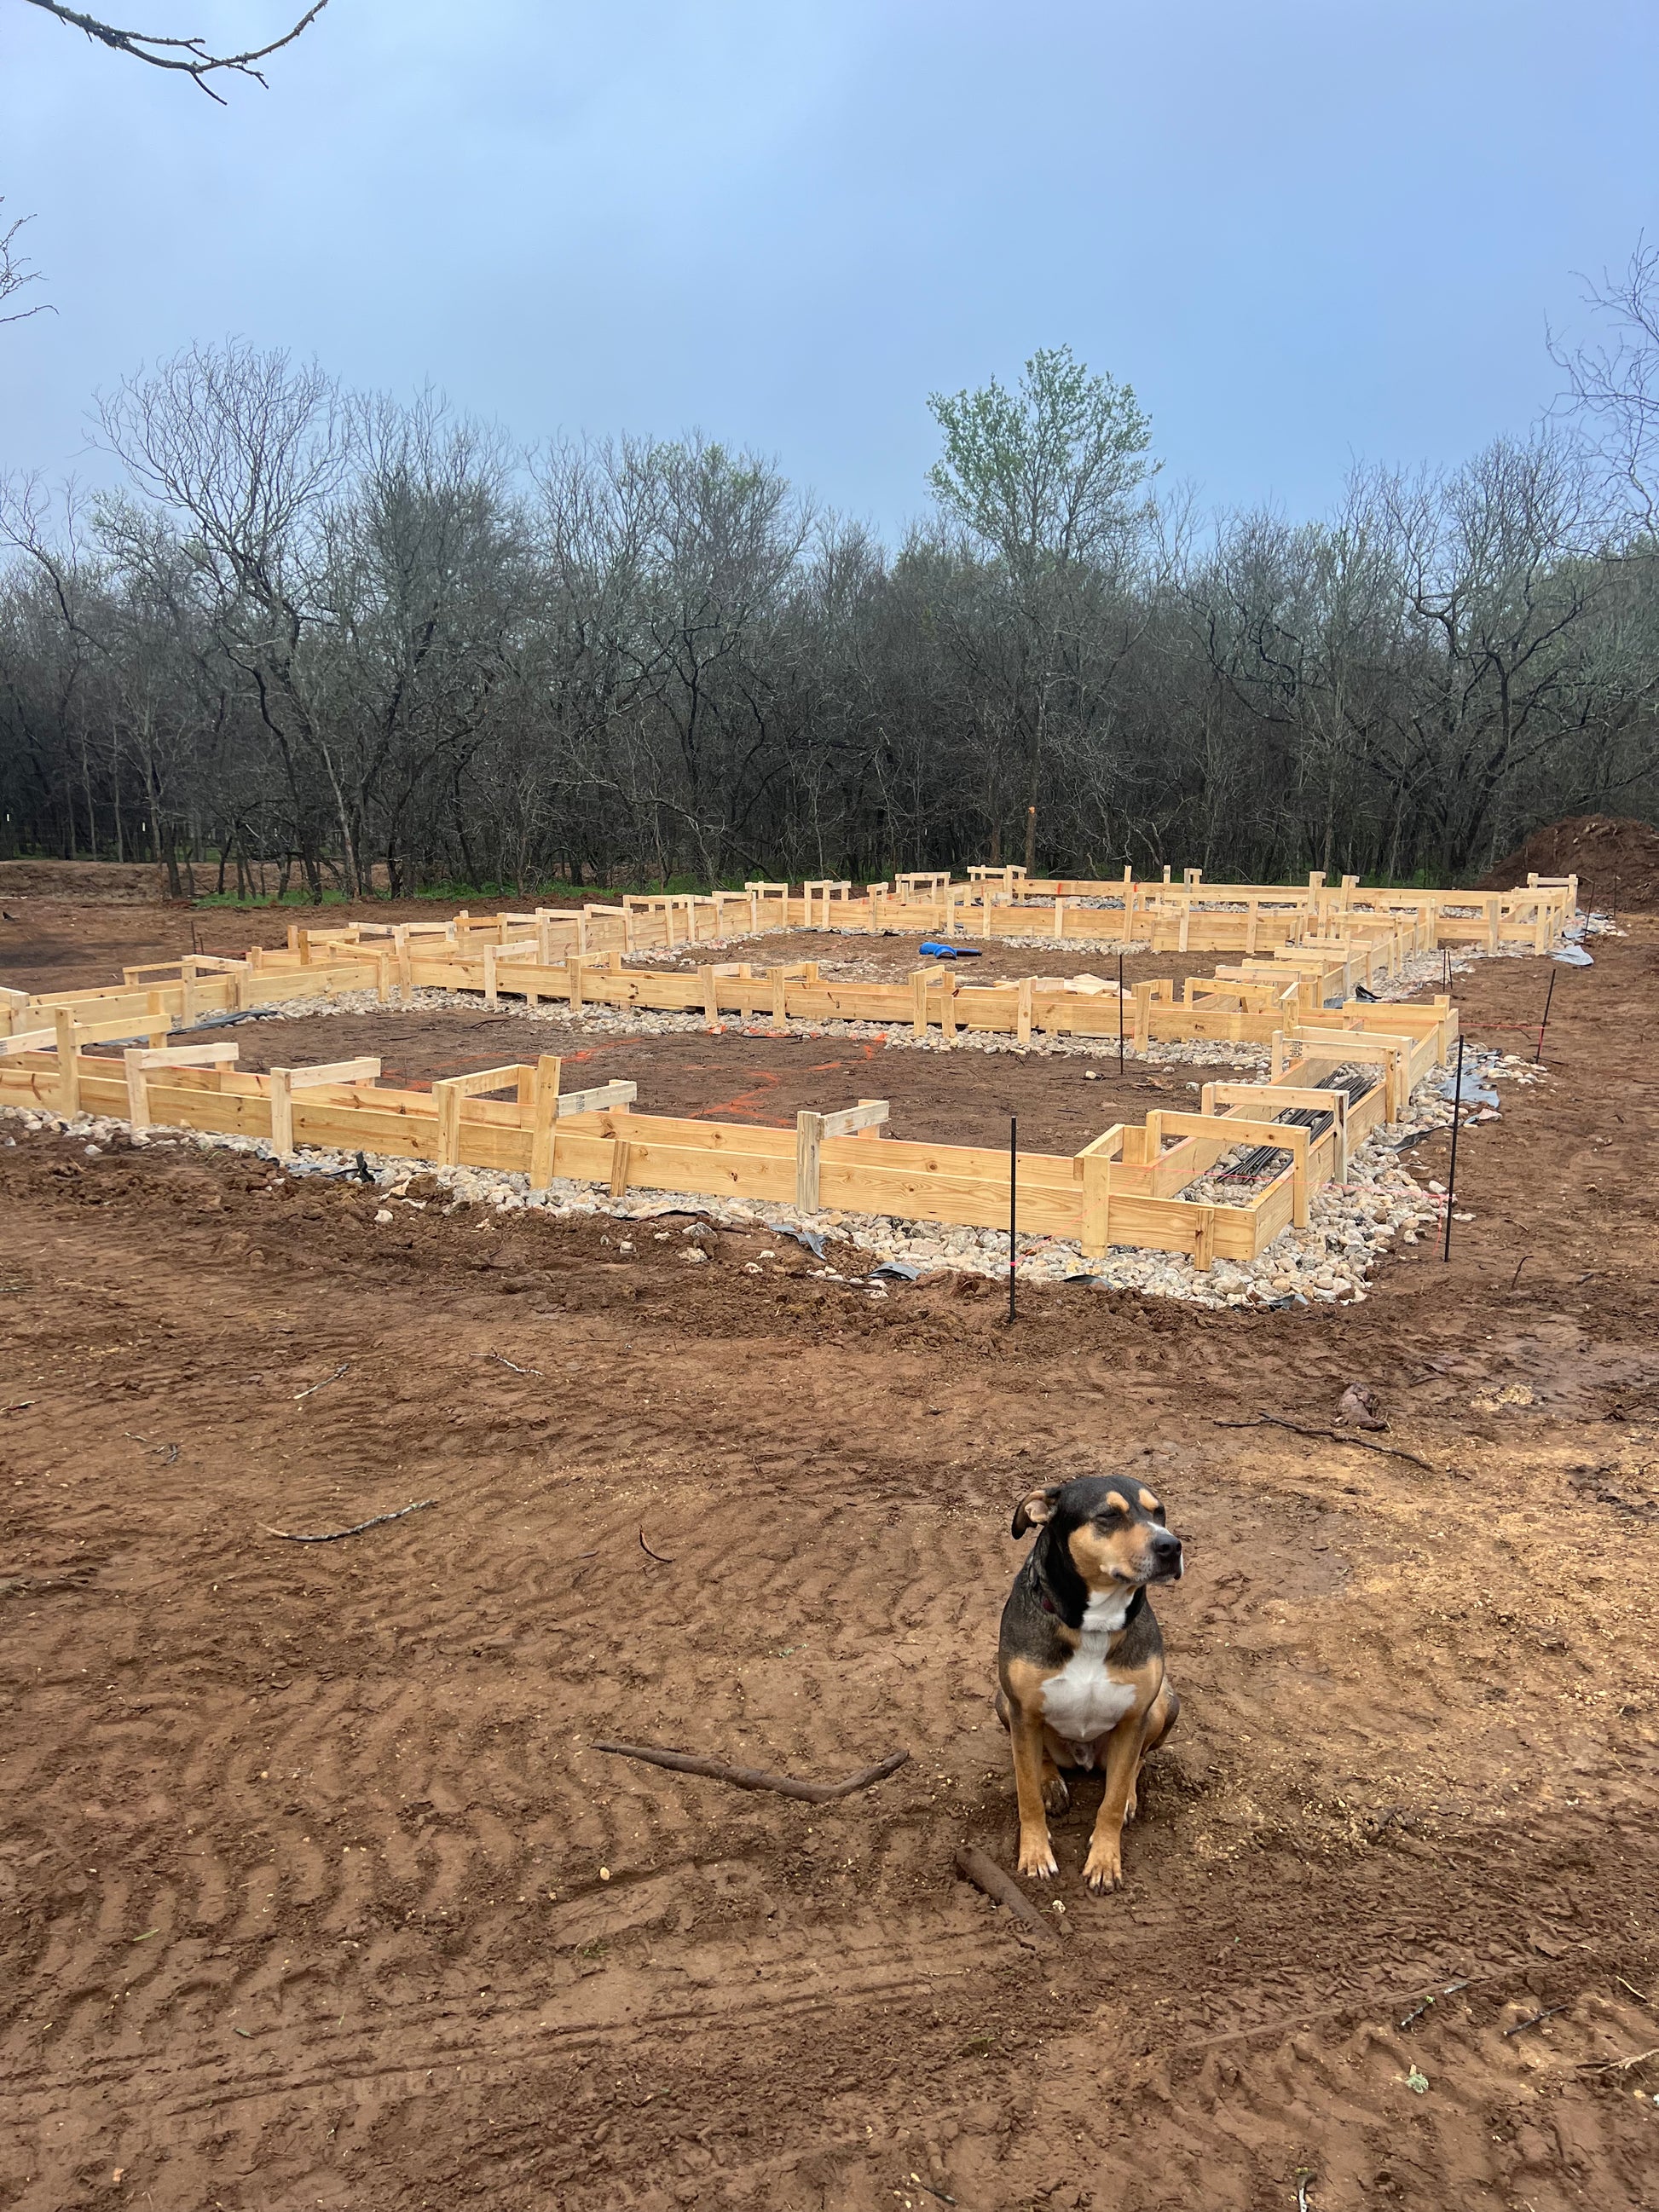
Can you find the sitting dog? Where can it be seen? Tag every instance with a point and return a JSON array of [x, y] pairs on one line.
[[1080, 1662]]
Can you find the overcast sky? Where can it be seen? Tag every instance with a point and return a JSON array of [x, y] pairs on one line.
[[1304, 230]]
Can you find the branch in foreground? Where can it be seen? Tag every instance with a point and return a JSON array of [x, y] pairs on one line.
[[333, 1535], [1336, 1435], [1002, 1889], [190, 57], [757, 1777]]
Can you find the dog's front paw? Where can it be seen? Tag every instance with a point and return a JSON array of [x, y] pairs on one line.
[[1036, 1858], [1055, 1795], [1103, 1868]]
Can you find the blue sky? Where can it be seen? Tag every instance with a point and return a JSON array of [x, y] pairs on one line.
[[1305, 230]]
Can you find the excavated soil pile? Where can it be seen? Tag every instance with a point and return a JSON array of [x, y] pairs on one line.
[[81, 879], [1615, 860]]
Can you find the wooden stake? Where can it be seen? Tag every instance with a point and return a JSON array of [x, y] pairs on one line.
[[68, 1072], [545, 1125]]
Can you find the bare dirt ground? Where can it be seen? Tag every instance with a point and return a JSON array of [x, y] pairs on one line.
[[315, 1892]]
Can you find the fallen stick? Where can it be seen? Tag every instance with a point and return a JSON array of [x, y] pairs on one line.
[[757, 1777], [1616, 2065], [324, 1384], [650, 1554], [1336, 1435], [1002, 1889], [1548, 2012], [333, 1535], [505, 1362]]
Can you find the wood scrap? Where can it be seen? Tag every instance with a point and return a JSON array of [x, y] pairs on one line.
[[650, 1554], [1002, 1889], [757, 1777], [324, 1384], [333, 1535], [1336, 1435]]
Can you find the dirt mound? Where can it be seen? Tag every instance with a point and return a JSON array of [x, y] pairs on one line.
[[130, 882], [1615, 860]]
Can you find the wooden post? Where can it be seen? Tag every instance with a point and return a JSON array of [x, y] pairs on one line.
[[545, 1125], [711, 998], [490, 997], [1023, 1013], [281, 1113], [1203, 1241], [809, 1140], [137, 1088], [68, 1072], [947, 1006], [1060, 917], [919, 982], [1143, 998], [780, 982], [619, 1148], [573, 975]]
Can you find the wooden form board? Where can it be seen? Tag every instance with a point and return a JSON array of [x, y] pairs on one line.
[[1122, 1189]]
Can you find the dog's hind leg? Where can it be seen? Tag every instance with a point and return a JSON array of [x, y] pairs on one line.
[[1055, 1794], [1164, 1712]]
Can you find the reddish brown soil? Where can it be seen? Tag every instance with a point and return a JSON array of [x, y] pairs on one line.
[[1615, 860], [304, 1850]]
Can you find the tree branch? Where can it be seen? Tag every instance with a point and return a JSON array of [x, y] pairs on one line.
[[188, 56]]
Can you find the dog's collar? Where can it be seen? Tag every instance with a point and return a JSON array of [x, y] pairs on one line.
[[1045, 1599]]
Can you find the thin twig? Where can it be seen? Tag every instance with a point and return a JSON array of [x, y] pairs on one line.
[[333, 1535], [757, 1777], [324, 1384], [1002, 1889], [1450, 1991], [1336, 1435], [650, 1554], [507, 1363], [1548, 2012], [1632, 1987], [1617, 2065]]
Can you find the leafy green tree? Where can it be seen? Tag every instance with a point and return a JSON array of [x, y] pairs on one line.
[[1050, 481]]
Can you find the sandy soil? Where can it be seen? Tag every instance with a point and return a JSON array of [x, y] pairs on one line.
[[315, 1892]]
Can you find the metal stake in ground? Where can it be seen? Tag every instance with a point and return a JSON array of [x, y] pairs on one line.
[[1545, 1024], [1451, 1172], [1120, 1013], [1013, 1179]]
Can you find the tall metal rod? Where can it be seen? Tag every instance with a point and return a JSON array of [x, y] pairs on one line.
[[1545, 1024], [1451, 1172], [1120, 1013], [1013, 1218]]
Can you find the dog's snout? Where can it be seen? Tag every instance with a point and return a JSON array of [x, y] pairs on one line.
[[1166, 1550]]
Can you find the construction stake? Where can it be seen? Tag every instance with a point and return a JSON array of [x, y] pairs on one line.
[[1451, 1172], [1014, 1178]]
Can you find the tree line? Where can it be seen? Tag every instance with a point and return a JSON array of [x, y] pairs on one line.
[[374, 646]]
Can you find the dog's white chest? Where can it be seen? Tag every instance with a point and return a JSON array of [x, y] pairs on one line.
[[1082, 1703]]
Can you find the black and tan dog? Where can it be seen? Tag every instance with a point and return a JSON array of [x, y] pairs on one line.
[[1081, 1660]]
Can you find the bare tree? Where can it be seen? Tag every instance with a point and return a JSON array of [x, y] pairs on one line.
[[1613, 385], [15, 272], [190, 57]]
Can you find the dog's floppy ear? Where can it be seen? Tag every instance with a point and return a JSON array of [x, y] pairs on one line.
[[1035, 1508]]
